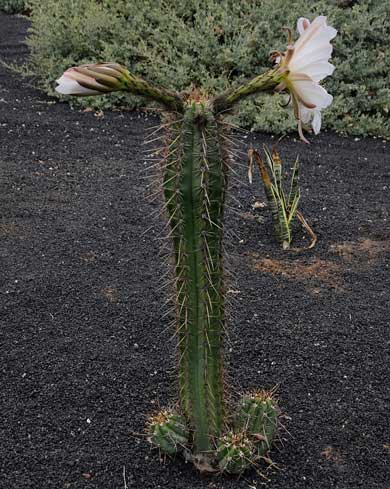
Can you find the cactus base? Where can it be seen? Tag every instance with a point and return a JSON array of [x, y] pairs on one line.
[[248, 439]]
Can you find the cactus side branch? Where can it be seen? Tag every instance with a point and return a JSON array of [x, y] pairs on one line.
[[265, 82], [139, 86]]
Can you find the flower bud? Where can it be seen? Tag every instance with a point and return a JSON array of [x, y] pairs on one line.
[[93, 79]]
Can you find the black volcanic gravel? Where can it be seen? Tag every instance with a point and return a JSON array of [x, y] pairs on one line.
[[85, 353]]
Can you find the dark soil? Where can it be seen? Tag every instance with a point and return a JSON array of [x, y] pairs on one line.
[[85, 353]]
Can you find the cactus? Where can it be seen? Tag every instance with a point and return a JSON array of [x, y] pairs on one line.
[[168, 431], [195, 173], [235, 453], [257, 416]]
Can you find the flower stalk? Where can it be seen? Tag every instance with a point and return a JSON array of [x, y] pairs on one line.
[[266, 81]]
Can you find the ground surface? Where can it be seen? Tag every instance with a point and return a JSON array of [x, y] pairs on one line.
[[85, 355]]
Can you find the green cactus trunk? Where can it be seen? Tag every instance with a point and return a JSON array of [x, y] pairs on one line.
[[194, 188]]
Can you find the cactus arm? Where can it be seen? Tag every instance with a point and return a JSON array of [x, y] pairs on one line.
[[265, 82], [139, 86]]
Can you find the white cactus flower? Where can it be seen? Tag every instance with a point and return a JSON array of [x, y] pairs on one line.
[[306, 64], [68, 84], [92, 79]]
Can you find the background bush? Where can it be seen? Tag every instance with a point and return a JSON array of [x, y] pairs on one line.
[[12, 6], [216, 43]]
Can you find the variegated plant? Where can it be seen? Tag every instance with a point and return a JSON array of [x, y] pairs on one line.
[[284, 207]]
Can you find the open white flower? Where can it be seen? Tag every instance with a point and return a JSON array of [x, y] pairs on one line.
[[92, 79], [305, 64]]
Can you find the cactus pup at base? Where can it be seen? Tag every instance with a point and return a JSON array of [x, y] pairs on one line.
[[235, 453], [168, 431], [257, 416]]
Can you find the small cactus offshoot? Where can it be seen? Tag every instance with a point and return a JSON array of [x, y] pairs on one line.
[[284, 207], [235, 453], [168, 431], [258, 417]]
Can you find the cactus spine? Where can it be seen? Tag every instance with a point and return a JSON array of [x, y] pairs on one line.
[[235, 452], [194, 189]]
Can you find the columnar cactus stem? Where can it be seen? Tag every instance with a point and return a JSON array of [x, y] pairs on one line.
[[194, 188]]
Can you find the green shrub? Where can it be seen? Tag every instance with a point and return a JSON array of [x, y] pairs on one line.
[[213, 44], [12, 6]]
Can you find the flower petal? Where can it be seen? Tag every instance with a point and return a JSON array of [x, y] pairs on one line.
[[313, 115], [68, 86], [316, 122], [302, 24], [93, 79], [313, 47], [309, 92], [317, 33], [309, 56], [317, 71], [305, 114]]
